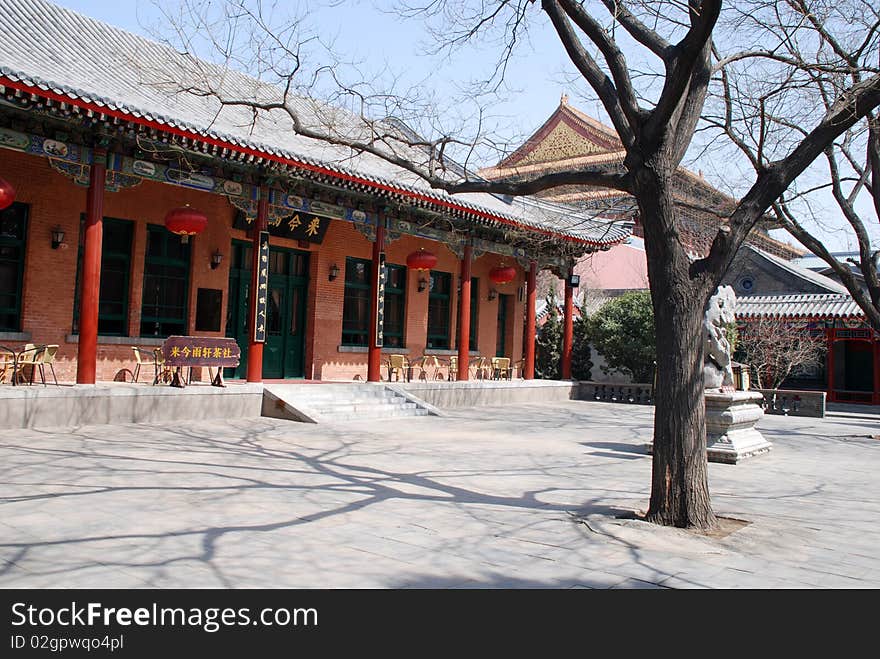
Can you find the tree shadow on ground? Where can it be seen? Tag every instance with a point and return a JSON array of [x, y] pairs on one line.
[[265, 456]]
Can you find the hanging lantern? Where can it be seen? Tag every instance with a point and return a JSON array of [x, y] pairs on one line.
[[186, 221], [7, 194], [502, 274], [421, 260]]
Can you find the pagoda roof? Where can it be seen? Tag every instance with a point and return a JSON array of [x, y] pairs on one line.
[[92, 68]]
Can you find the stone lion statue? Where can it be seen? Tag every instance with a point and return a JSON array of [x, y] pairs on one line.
[[717, 369]]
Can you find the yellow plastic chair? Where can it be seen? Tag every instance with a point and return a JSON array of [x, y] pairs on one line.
[[140, 361], [480, 367], [501, 368], [429, 363], [399, 366], [29, 360], [7, 363], [48, 359], [163, 372]]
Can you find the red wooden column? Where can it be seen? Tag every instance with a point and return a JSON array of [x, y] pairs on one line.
[[374, 360], [531, 298], [464, 314], [87, 353], [255, 348], [567, 330]]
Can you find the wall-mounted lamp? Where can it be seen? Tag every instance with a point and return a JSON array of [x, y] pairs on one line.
[[334, 272], [216, 259], [492, 294], [423, 283], [57, 237], [574, 280]]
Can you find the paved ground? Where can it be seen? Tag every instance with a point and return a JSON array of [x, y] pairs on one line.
[[486, 498]]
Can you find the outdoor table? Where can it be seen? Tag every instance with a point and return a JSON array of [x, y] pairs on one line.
[[212, 352]]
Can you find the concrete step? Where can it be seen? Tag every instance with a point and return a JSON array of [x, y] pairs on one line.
[[348, 406], [342, 402], [368, 416]]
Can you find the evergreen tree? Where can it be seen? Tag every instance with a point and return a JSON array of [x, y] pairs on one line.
[[548, 343], [580, 349]]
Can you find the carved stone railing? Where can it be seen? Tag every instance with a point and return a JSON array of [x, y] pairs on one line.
[[794, 403], [617, 393]]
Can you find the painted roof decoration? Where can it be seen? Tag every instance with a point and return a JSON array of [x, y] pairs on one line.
[[61, 55], [568, 134], [815, 305]]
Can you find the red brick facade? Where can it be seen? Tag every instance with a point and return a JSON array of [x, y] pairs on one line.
[[50, 275]]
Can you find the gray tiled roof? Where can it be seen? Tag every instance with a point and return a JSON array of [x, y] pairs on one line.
[[55, 49], [802, 272], [807, 305]]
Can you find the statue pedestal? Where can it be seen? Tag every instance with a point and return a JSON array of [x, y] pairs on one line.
[[731, 435]]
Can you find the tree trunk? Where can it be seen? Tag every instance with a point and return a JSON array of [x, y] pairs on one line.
[[679, 485]]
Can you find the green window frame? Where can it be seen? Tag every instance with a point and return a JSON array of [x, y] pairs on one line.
[[395, 306], [475, 305], [116, 244], [438, 309], [166, 283], [13, 239], [356, 302]]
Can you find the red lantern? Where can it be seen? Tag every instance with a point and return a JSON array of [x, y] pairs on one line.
[[186, 221], [502, 274], [7, 194], [421, 260]]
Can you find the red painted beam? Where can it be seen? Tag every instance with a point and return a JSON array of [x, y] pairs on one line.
[[531, 299], [567, 331], [255, 348], [87, 351], [464, 314]]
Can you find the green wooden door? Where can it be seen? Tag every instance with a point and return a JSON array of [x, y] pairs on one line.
[[285, 313], [501, 340], [237, 306]]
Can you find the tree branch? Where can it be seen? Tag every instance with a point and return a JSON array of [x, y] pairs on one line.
[[773, 180], [638, 30], [595, 77], [613, 56]]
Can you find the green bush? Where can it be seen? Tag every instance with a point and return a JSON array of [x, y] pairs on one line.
[[623, 332], [548, 343]]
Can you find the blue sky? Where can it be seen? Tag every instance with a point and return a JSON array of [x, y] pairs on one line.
[[364, 30]]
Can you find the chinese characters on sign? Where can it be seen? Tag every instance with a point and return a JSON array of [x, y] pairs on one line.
[[213, 352], [299, 226], [200, 351], [262, 290], [381, 277]]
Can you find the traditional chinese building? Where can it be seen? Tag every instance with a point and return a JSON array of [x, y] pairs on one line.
[[106, 159], [851, 369], [571, 139]]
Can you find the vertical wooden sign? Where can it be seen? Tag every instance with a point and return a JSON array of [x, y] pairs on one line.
[[381, 277], [262, 291]]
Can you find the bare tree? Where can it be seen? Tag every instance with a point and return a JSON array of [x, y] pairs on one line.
[[773, 347], [813, 50], [654, 95]]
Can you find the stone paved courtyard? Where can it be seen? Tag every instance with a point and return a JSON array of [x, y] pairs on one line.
[[527, 496]]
